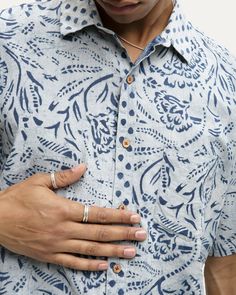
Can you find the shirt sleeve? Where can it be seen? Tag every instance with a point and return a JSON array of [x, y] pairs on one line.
[[225, 240]]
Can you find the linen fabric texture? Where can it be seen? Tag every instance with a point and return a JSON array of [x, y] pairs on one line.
[[65, 100]]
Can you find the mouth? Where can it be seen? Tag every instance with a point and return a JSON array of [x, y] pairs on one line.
[[121, 8]]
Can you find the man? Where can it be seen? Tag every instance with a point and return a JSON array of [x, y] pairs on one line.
[[130, 96]]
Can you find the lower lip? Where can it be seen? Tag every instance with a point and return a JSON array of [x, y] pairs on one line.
[[121, 10]]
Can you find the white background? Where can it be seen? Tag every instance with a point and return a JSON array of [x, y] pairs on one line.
[[216, 18]]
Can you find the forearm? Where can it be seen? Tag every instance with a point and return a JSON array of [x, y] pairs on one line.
[[220, 276]]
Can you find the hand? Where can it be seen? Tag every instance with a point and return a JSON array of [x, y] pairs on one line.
[[37, 223]]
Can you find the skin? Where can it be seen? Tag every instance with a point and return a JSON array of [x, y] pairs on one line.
[[38, 223], [139, 25], [48, 227], [220, 275]]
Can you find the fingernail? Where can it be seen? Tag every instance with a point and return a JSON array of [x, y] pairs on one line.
[[140, 234], [103, 266], [129, 252], [135, 218]]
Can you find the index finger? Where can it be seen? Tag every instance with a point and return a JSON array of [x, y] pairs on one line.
[[100, 215]]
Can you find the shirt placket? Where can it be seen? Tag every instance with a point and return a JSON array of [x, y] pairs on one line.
[[122, 190]]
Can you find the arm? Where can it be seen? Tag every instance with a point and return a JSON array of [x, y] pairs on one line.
[[220, 275]]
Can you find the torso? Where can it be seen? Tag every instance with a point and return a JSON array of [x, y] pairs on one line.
[[67, 100]]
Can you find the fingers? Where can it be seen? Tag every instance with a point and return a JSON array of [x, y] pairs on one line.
[[74, 210], [108, 215], [100, 215], [70, 176], [104, 233], [97, 249], [61, 178], [73, 262]]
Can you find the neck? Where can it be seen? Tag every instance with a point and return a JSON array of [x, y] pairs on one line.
[[142, 31]]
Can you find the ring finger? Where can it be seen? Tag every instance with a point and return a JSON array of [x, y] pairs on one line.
[[104, 233]]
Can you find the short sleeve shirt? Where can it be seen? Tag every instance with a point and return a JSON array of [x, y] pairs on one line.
[[158, 136]]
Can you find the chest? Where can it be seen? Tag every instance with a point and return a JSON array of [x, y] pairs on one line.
[[77, 87], [144, 132]]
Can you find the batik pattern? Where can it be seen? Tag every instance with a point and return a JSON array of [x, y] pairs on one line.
[[64, 100]]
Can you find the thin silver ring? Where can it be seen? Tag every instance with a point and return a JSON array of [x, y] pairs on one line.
[[86, 214], [53, 180]]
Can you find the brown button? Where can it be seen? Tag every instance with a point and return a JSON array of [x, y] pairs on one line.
[[130, 79], [122, 207], [126, 143], [117, 268]]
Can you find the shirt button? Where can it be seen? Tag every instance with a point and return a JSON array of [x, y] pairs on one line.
[[117, 268], [122, 207], [130, 79], [126, 143]]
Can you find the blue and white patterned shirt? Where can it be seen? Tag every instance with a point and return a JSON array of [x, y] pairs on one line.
[[158, 136]]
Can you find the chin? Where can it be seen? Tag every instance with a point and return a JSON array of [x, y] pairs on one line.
[[125, 15], [123, 19]]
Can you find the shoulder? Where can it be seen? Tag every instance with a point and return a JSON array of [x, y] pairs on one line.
[[218, 64], [215, 54], [25, 32], [28, 16]]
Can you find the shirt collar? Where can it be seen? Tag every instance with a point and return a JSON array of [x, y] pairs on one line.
[[76, 15], [179, 33]]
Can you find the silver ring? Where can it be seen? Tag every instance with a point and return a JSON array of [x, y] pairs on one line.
[[86, 214], [53, 180]]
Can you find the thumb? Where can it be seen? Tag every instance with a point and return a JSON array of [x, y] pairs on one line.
[[66, 177]]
